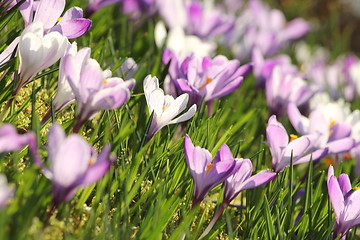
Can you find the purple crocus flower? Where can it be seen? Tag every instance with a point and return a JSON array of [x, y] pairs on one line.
[[71, 24], [239, 181], [138, 8], [282, 150], [6, 191], [283, 87], [329, 133], [73, 163], [207, 79], [206, 173], [345, 202], [200, 19], [242, 180], [94, 89], [265, 28], [11, 141], [262, 68], [94, 5]]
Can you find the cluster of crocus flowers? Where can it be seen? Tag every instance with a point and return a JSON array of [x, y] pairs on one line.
[[165, 108], [73, 163], [93, 88], [259, 26], [345, 201], [206, 79], [283, 148], [236, 173], [326, 126]]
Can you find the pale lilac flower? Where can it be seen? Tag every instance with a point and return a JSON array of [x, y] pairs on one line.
[[94, 89], [11, 141], [71, 24], [48, 12], [282, 150], [265, 28], [263, 68], [128, 69], [139, 8], [207, 79], [6, 191], [94, 5], [207, 173], [74, 163], [165, 108], [38, 51], [345, 202], [284, 87], [202, 19], [239, 181], [328, 124]]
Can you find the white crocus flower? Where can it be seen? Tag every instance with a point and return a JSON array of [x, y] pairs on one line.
[[38, 51], [165, 107]]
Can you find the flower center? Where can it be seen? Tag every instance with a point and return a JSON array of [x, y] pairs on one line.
[[293, 137], [208, 80], [164, 107], [59, 19], [329, 161], [91, 161], [105, 82], [209, 167], [347, 156]]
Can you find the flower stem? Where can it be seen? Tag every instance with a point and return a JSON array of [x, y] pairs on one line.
[[213, 221]]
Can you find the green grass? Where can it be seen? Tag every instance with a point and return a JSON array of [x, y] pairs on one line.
[[147, 193]]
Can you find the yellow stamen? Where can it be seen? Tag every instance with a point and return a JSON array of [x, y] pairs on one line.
[[91, 161], [105, 82], [59, 19], [293, 137], [332, 123], [164, 107], [356, 188], [209, 167], [208, 80], [347, 156], [329, 161]]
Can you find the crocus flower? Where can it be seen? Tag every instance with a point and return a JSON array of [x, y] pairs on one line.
[[38, 51], [207, 173], [73, 163], [242, 180], [195, 18], [128, 68], [284, 87], [263, 68], [94, 89], [11, 141], [265, 28], [239, 181], [207, 79], [6, 191], [71, 24], [327, 125], [48, 12], [282, 150], [165, 107], [94, 5], [345, 202]]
